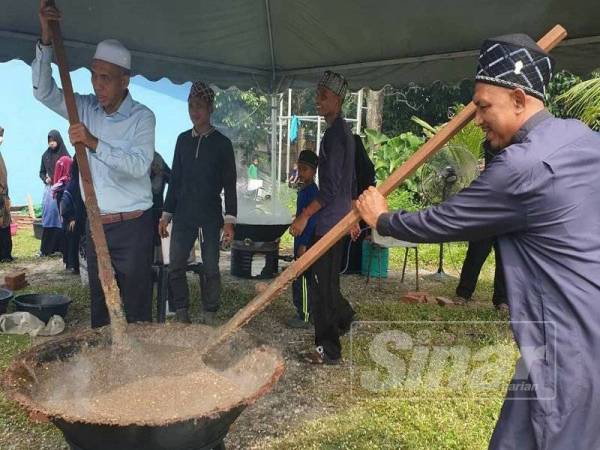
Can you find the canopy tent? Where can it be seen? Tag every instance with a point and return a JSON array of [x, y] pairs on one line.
[[274, 44]]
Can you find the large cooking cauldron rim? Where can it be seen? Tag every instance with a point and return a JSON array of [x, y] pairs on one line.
[[259, 233], [19, 373]]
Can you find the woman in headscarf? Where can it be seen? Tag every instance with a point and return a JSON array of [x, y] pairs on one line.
[[62, 176], [72, 211], [56, 149], [52, 235]]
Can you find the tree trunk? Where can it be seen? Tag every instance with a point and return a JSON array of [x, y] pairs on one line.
[[375, 109]]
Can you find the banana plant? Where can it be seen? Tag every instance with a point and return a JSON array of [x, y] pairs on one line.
[[390, 153]]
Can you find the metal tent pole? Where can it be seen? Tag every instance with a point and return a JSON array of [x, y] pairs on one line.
[[359, 111], [318, 143], [280, 119], [274, 179], [289, 121]]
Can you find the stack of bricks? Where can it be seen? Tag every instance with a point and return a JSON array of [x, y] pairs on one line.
[[23, 221]]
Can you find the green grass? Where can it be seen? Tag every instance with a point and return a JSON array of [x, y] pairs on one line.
[[402, 416], [436, 419], [25, 245], [409, 416], [394, 424], [16, 431]]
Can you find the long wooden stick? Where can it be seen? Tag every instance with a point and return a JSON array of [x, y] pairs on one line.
[[105, 271], [261, 301]]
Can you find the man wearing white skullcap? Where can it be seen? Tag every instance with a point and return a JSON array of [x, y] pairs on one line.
[[114, 52], [118, 133]]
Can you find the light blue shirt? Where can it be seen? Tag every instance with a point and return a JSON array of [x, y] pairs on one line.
[[120, 165]]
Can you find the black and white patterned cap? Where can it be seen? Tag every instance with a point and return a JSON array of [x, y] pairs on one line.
[[515, 61], [335, 82], [202, 90]]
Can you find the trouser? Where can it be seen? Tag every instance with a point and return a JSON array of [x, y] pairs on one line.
[[331, 311], [477, 253], [301, 296], [52, 241], [5, 243], [183, 237], [130, 248], [352, 258], [71, 253]]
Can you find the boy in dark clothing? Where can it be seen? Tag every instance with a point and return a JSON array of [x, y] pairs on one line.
[[332, 313], [307, 167], [203, 166]]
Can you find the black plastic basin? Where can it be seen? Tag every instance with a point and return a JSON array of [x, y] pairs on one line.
[[5, 297], [38, 229], [43, 306]]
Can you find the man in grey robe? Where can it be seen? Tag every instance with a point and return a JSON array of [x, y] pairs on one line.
[[540, 196]]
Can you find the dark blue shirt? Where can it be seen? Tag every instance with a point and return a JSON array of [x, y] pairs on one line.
[[337, 179], [305, 196]]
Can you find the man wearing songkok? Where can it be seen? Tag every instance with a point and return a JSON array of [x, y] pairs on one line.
[[203, 167], [118, 134], [332, 313], [539, 196]]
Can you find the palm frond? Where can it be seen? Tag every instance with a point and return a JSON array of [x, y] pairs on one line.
[[582, 101]]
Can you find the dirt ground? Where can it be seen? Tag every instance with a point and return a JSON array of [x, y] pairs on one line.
[[304, 392]]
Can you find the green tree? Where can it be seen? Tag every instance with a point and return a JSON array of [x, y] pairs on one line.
[[247, 115], [431, 103]]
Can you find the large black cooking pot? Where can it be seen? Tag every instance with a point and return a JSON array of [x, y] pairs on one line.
[[259, 233], [197, 433], [204, 434]]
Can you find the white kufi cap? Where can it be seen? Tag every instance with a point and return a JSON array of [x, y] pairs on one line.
[[114, 52]]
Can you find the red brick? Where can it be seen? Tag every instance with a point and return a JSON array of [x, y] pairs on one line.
[[444, 301], [15, 281], [414, 297], [38, 417]]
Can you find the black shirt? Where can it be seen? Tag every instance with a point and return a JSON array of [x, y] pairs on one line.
[[337, 178], [203, 166]]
